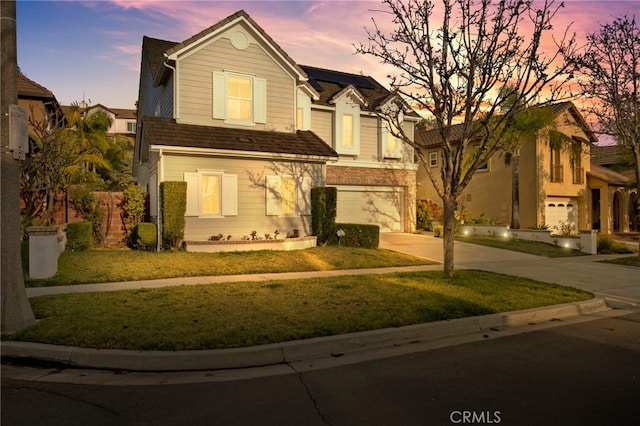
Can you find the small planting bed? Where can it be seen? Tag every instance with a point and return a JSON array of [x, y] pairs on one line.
[[285, 244]]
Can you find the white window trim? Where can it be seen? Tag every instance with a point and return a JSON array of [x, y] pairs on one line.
[[228, 194], [347, 107], [220, 84], [433, 159]]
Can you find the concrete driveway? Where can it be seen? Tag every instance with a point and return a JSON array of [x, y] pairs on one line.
[[617, 284]]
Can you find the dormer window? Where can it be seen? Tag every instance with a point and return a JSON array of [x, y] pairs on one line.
[[347, 127]]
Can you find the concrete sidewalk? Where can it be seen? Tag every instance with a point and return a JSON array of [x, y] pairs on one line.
[[613, 285]]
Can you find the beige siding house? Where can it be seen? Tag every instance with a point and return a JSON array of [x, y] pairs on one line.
[[251, 132], [553, 182]]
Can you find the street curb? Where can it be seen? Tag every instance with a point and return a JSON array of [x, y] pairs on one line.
[[300, 350]]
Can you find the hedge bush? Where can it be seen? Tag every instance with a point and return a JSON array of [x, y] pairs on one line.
[[607, 245], [356, 235], [144, 236], [79, 236], [324, 202], [173, 205]]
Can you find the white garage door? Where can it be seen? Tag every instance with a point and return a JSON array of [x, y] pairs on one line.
[[559, 212], [371, 205]]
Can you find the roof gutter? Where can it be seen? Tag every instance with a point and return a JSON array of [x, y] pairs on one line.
[[241, 154]]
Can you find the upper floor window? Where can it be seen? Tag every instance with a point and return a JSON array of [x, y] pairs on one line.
[[391, 144], [557, 172], [347, 127], [239, 98], [433, 159], [347, 130], [578, 170], [131, 126]]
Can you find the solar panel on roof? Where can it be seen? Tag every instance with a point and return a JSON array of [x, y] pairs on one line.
[[315, 84], [339, 78]]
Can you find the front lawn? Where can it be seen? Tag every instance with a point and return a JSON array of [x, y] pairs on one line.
[[626, 261], [112, 265], [523, 246], [252, 313]]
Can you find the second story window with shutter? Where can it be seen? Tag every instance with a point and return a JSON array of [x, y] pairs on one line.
[[239, 98]]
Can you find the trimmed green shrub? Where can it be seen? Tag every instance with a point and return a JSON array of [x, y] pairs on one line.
[[144, 236], [438, 231], [173, 205], [133, 205], [324, 202], [356, 235], [90, 208], [423, 215], [607, 245], [79, 236]]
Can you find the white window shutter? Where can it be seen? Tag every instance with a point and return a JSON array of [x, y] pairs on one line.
[[273, 197], [229, 195], [219, 95], [303, 197], [193, 194], [259, 100]]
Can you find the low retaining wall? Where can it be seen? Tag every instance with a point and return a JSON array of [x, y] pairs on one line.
[[585, 242], [285, 244]]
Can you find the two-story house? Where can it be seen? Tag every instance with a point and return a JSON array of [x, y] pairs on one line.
[[552, 180], [123, 121], [251, 132]]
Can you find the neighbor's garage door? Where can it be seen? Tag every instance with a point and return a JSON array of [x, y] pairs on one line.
[[379, 205], [561, 211]]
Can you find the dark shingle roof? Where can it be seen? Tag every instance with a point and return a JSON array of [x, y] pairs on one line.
[[328, 83], [607, 155], [165, 131], [28, 88], [608, 175], [431, 137], [155, 50]]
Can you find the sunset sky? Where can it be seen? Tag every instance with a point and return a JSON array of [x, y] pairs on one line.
[[84, 49]]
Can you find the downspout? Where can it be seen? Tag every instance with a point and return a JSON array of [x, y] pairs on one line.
[[158, 201], [175, 84]]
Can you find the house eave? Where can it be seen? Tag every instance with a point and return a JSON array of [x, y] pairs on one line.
[[228, 153]]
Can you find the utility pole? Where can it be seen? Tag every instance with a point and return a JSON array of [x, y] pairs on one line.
[[16, 312]]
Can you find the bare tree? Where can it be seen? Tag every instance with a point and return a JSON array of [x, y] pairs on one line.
[[454, 59], [609, 75]]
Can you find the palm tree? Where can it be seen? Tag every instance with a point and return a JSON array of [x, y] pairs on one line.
[[87, 134]]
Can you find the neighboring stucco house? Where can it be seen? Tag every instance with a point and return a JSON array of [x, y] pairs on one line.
[[614, 201], [553, 182], [38, 101], [251, 132]]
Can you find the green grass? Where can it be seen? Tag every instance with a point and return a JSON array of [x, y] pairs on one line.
[[626, 261], [110, 265], [524, 246], [253, 313]]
